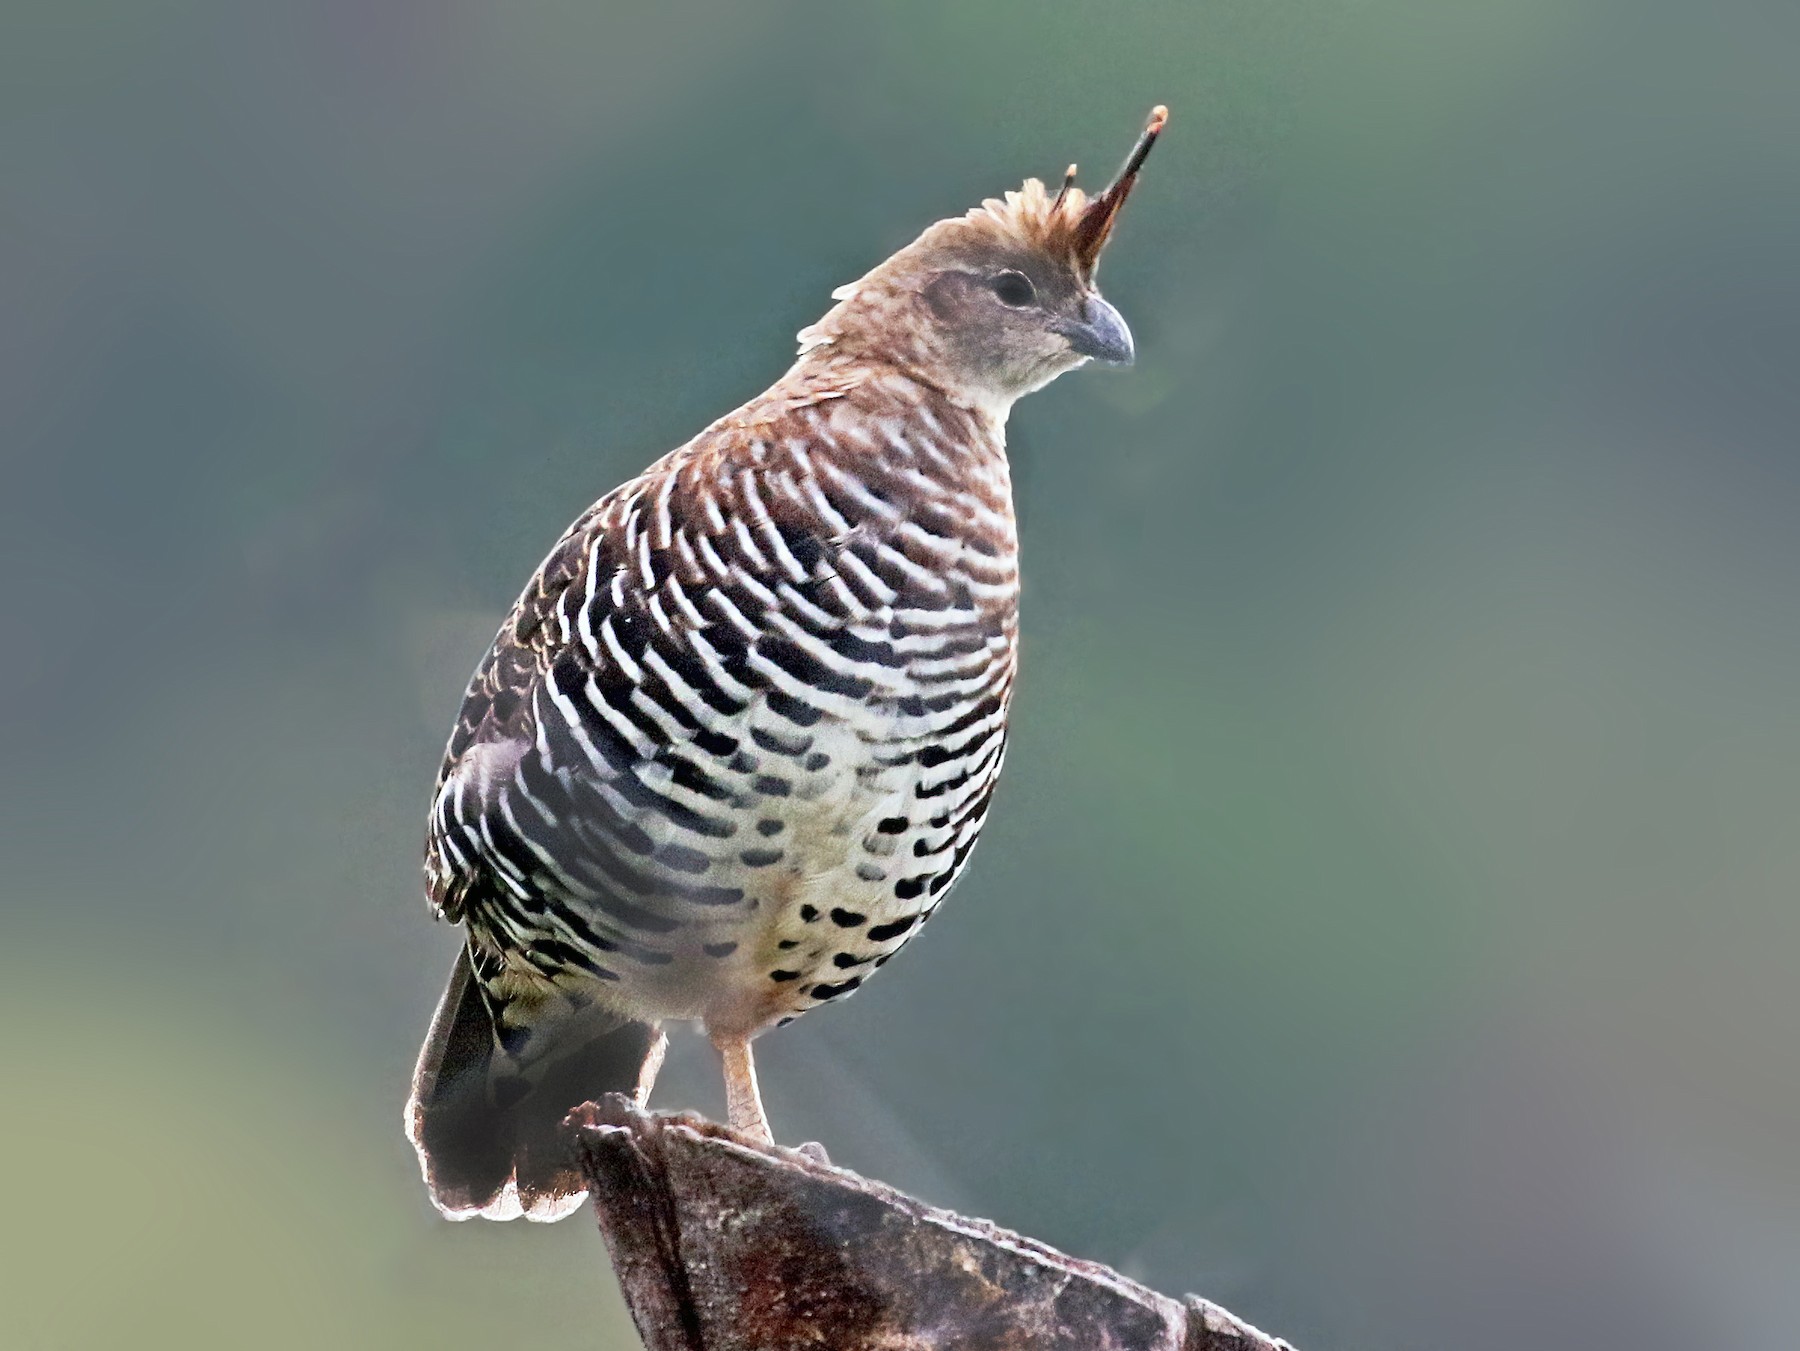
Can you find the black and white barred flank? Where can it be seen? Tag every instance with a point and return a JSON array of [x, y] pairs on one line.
[[740, 734]]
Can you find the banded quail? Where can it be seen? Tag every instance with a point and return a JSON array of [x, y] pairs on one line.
[[737, 738]]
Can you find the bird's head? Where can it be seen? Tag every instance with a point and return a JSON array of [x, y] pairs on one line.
[[996, 303]]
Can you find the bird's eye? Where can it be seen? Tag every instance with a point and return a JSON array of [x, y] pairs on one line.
[[1014, 289]]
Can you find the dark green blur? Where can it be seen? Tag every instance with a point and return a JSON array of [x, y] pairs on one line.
[[1387, 925]]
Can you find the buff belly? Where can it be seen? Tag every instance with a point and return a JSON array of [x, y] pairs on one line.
[[832, 884]]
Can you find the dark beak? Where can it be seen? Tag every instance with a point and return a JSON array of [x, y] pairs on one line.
[[1100, 333]]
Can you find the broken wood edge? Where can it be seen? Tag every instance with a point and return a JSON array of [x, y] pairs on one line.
[[1211, 1327], [680, 1245]]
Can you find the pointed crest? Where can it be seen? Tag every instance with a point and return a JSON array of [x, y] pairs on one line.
[[1069, 224], [1098, 215]]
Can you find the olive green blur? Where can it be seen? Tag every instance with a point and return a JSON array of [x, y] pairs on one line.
[[1387, 924]]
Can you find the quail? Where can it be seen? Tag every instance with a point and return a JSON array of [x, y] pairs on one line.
[[737, 738]]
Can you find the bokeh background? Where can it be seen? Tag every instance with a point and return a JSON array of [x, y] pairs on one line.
[[1388, 923]]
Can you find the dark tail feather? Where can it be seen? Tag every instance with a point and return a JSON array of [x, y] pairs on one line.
[[488, 1130]]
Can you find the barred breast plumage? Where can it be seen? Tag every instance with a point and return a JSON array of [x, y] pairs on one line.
[[739, 735]]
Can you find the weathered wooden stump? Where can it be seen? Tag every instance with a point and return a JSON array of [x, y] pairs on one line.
[[723, 1246]]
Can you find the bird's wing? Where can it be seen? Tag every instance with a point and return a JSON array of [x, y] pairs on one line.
[[597, 754], [496, 704]]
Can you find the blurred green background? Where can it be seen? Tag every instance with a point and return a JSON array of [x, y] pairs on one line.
[[1387, 926]]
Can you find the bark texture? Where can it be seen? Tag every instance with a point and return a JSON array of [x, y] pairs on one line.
[[721, 1246]]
